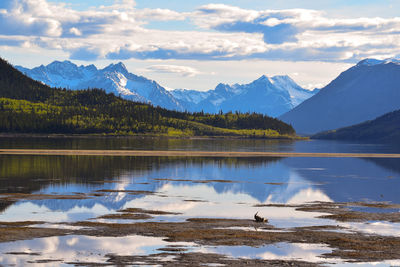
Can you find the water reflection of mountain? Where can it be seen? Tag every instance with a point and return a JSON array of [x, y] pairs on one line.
[[67, 174], [270, 180], [30, 173], [351, 179], [390, 164], [264, 179]]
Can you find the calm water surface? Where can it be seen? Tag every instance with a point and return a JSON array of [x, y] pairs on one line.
[[141, 143], [194, 187]]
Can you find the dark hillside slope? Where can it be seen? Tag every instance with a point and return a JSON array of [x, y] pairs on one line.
[[361, 93], [383, 129]]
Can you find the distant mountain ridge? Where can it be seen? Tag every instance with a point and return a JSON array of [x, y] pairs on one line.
[[272, 96], [365, 91]]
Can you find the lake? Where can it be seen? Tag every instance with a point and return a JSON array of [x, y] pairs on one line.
[[78, 194]]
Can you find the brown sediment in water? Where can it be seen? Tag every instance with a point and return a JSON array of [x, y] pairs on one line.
[[45, 261], [172, 249], [171, 180], [21, 223], [131, 192], [227, 232], [127, 216], [152, 212], [136, 214], [24, 253], [345, 244], [214, 181], [199, 259], [180, 153], [342, 212], [196, 181], [14, 233], [358, 216], [218, 232], [11, 197]]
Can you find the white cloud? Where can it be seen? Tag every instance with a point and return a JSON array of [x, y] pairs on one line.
[[181, 70], [29, 16], [75, 31], [119, 31], [159, 14], [306, 32]]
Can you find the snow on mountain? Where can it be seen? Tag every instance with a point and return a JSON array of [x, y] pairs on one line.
[[297, 93], [272, 96], [364, 92], [372, 61], [114, 78], [191, 96]]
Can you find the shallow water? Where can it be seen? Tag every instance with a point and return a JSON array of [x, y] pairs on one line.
[[74, 249], [193, 187]]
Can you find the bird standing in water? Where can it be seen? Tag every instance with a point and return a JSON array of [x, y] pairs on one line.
[[259, 218]]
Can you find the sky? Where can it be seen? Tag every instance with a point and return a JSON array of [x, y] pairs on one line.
[[198, 44]]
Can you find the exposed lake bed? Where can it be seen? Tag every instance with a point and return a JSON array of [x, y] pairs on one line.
[[106, 210]]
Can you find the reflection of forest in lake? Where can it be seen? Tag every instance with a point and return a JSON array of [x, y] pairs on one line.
[[149, 143], [83, 174], [146, 143], [29, 173], [267, 180]]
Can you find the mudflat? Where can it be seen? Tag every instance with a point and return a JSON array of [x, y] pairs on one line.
[[346, 245]]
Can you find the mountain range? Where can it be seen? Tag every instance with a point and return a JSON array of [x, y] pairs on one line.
[[271, 96], [364, 92], [114, 78]]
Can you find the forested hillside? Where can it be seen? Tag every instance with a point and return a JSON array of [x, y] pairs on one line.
[[28, 106], [383, 129]]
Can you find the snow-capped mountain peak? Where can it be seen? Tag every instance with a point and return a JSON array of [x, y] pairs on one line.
[[283, 79], [119, 67], [263, 79], [271, 96], [115, 78], [373, 62], [222, 88]]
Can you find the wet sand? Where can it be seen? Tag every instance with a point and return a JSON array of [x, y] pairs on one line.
[[169, 153]]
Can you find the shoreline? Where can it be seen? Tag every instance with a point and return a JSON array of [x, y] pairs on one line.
[[180, 153]]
